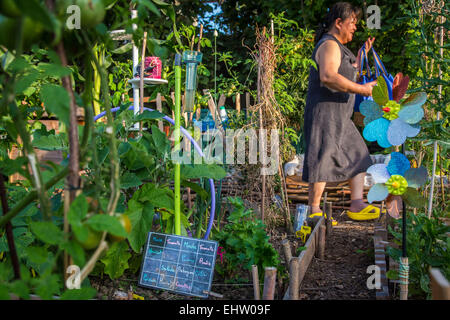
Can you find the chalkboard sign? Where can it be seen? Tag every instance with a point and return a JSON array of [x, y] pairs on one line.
[[179, 264]]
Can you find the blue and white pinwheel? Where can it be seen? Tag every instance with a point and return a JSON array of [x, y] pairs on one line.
[[388, 120], [396, 178]]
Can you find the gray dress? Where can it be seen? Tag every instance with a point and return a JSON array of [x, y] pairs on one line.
[[335, 150]]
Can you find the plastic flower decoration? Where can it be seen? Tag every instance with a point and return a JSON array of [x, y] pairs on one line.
[[397, 178], [389, 120]]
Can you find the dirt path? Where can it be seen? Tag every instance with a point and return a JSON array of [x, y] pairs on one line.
[[342, 274]]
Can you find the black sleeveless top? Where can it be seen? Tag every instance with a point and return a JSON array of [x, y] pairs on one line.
[[335, 150]]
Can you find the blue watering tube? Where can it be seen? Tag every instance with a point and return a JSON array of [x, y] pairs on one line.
[[199, 151]]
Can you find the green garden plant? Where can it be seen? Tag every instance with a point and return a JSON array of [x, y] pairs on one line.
[[245, 242], [428, 246]]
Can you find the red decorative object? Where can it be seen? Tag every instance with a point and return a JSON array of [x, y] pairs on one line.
[[152, 68]]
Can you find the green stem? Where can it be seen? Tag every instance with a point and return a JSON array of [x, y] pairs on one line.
[[31, 197], [115, 188], [89, 100], [32, 159], [23, 133]]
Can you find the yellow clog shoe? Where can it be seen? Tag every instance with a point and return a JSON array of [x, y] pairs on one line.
[[319, 214], [368, 213]]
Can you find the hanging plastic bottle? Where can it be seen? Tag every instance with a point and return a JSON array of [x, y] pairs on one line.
[[223, 115]]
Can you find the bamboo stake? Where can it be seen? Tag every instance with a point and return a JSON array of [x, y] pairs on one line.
[[294, 278], [159, 108], [441, 176], [256, 291], [200, 37], [270, 276]]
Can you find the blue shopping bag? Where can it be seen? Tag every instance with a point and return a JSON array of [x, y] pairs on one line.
[[366, 76], [381, 70]]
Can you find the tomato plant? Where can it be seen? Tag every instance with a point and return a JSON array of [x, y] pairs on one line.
[[126, 223]]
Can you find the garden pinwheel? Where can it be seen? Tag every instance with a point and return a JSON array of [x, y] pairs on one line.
[[389, 120], [397, 178]]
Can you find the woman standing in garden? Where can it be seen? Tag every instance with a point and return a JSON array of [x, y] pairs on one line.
[[335, 150]]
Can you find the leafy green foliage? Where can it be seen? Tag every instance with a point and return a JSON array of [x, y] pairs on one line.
[[294, 49], [427, 245], [116, 259], [245, 242], [79, 294]]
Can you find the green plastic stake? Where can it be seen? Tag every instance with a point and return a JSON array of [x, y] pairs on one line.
[[177, 136]]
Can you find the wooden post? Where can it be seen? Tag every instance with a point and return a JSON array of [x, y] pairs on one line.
[[186, 120], [159, 108], [198, 114], [213, 109], [440, 287], [287, 252], [289, 226], [221, 100], [404, 280], [238, 103], [306, 256], [329, 220], [272, 31], [270, 277], [256, 291], [247, 102], [261, 126], [294, 277], [321, 245]]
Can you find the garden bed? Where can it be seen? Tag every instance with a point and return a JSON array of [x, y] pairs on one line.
[[341, 275]]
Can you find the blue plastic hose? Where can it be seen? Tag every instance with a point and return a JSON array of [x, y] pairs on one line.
[[199, 151]]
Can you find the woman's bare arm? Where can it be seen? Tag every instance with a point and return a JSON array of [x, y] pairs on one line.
[[329, 59]]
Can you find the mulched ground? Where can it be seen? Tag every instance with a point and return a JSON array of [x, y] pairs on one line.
[[341, 275]]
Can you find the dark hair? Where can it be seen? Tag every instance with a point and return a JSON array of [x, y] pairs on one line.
[[341, 10]]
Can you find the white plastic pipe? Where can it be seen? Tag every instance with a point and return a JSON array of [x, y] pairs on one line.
[[438, 117], [135, 64]]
